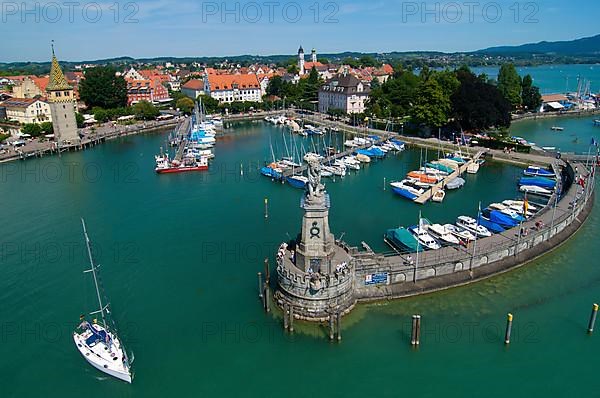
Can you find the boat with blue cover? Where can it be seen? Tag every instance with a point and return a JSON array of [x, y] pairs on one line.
[[269, 172], [502, 219], [491, 226], [401, 239], [297, 181], [541, 182], [536, 171], [440, 167]]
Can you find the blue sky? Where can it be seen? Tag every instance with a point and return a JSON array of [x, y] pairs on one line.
[[88, 30]]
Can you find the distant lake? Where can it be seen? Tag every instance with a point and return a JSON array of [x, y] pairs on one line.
[[554, 78]]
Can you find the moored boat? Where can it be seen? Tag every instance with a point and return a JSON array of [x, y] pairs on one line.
[[440, 232], [401, 239], [471, 225]]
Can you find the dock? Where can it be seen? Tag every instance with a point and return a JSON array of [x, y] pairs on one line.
[[427, 195], [181, 133]]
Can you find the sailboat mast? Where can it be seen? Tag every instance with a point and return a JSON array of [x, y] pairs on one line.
[[93, 270]]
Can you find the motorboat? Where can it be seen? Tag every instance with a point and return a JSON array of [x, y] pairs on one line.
[[542, 182], [535, 190], [297, 181], [401, 239], [536, 171], [471, 225], [490, 225], [455, 183], [438, 196], [518, 204], [363, 158], [439, 232], [460, 233], [407, 189], [166, 166], [423, 237]]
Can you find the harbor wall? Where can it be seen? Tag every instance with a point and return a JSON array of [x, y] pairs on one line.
[[464, 267]]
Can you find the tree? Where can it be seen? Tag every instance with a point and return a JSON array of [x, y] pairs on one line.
[[311, 86], [101, 87], [530, 94], [509, 84], [79, 119], [185, 105], [47, 128], [33, 129], [144, 110], [100, 115], [210, 104], [431, 106], [479, 105]]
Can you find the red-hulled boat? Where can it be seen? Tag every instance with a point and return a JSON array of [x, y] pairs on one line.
[[164, 165]]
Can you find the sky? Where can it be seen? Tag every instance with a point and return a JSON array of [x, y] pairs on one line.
[[90, 30]]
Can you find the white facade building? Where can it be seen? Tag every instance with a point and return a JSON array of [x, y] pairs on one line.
[[230, 88], [344, 92]]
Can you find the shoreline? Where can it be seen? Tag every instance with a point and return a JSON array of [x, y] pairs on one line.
[[555, 115]]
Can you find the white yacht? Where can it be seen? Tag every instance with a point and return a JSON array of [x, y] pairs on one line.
[[471, 225], [442, 234], [460, 233], [426, 240]]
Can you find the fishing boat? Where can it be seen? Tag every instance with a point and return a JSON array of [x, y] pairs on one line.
[[297, 181], [471, 225], [97, 342], [424, 238], [536, 171], [455, 183], [460, 233], [401, 239], [438, 196], [535, 190], [440, 233], [538, 181]]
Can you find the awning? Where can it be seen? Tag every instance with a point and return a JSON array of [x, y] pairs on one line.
[[555, 105]]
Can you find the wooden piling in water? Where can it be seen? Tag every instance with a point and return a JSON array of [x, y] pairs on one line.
[[593, 318], [267, 299], [266, 208], [331, 331], [339, 326], [285, 316], [291, 318], [267, 274], [260, 286], [509, 321], [413, 333]]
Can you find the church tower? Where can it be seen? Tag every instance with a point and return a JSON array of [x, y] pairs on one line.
[[301, 61], [313, 56], [62, 106]]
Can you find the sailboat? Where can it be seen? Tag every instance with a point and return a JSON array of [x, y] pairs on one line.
[[98, 342]]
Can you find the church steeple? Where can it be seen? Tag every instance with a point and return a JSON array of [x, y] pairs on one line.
[[57, 81]]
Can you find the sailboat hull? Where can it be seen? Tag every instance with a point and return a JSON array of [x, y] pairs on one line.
[[97, 357]]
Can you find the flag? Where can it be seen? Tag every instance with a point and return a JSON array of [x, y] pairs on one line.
[[525, 205]]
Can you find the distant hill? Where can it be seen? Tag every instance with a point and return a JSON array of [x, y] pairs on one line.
[[583, 46]]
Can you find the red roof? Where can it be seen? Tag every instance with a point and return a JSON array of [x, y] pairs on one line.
[[194, 84], [228, 82], [41, 82]]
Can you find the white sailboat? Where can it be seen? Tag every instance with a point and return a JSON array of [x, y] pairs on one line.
[[98, 342]]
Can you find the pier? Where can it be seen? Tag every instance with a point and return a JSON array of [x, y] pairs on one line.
[[181, 136], [427, 195]]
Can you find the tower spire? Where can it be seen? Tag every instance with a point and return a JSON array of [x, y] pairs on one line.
[[57, 79]]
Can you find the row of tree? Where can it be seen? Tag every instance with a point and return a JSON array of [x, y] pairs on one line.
[[439, 98]]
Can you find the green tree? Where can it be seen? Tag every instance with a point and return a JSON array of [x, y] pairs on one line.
[[509, 84], [101, 87], [47, 128], [100, 115], [185, 105], [210, 104], [530, 94], [33, 129], [431, 106], [79, 119], [144, 110], [311, 86]]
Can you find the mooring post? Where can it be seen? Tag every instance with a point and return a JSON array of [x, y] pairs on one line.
[[384, 183], [267, 299], [413, 333], [509, 321], [267, 274], [285, 316], [593, 318], [331, 326], [266, 207], [291, 318], [339, 326], [418, 331], [260, 286]]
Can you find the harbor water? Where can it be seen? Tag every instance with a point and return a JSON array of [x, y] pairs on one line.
[[179, 256]]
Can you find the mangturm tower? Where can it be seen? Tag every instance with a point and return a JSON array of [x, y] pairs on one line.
[[62, 106], [315, 273]]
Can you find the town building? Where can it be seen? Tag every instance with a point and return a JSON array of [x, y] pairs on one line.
[[27, 110], [150, 90], [193, 88], [30, 87], [344, 92], [62, 105], [230, 88]]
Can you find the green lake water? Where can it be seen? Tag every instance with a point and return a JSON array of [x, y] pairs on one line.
[[179, 257]]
